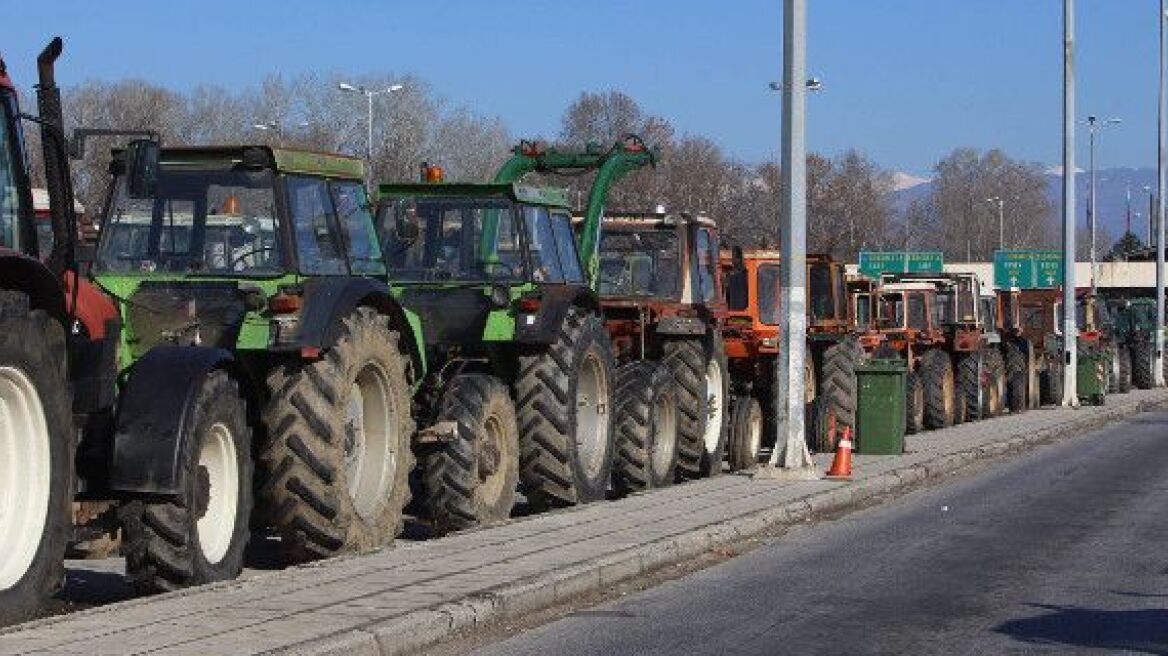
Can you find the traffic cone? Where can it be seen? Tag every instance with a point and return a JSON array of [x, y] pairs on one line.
[[841, 466]]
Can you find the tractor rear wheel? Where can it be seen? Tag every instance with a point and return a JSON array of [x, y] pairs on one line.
[[837, 390], [1124, 384], [200, 536], [1017, 378], [1143, 364], [914, 404], [938, 379], [745, 440], [563, 403], [700, 369], [337, 459], [996, 388], [36, 472], [471, 480], [972, 399], [1052, 384], [646, 427]]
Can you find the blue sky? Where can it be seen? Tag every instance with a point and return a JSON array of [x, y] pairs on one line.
[[906, 80]]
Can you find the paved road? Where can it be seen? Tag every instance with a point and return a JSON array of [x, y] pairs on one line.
[[1063, 549]]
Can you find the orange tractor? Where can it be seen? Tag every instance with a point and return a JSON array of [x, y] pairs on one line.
[[752, 343]]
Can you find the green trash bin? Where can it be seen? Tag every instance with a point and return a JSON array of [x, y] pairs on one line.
[[880, 416]]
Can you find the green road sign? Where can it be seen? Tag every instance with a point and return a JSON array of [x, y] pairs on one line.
[[1028, 269], [873, 263]]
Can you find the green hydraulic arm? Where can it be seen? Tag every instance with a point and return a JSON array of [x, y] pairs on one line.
[[628, 154]]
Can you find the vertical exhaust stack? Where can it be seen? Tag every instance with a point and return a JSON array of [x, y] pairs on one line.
[[60, 184]]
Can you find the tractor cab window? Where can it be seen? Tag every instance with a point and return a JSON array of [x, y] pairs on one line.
[[918, 314], [459, 238], [707, 264], [967, 296], [318, 241], [362, 246], [553, 246], [988, 312], [210, 221], [821, 291], [10, 162], [737, 290], [640, 263], [863, 311], [566, 247], [945, 310], [891, 311], [768, 294]]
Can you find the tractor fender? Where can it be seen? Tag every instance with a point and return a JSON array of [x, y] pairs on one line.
[[19, 272], [153, 410], [328, 300], [555, 303]]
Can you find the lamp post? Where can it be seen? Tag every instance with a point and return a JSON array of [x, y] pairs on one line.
[[275, 127], [1095, 126], [369, 93], [813, 84], [1001, 220]]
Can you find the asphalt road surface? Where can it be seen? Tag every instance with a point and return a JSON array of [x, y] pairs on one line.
[[1063, 549]]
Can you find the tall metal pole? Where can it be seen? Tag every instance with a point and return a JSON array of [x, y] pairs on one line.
[[1001, 224], [1070, 329], [1162, 183], [369, 130], [791, 453]]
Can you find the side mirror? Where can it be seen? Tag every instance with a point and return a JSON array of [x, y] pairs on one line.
[[142, 157]]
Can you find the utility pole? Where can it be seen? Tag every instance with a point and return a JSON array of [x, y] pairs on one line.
[[1161, 133], [368, 93], [1070, 327], [791, 458], [1095, 126], [1001, 202]]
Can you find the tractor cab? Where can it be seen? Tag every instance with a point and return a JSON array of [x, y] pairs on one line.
[[17, 230]]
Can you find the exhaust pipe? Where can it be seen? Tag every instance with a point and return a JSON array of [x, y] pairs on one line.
[[53, 143]]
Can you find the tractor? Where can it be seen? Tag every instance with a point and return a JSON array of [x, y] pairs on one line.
[[1097, 343], [1018, 350], [1135, 331], [258, 335], [752, 339], [661, 294], [522, 382], [1041, 322]]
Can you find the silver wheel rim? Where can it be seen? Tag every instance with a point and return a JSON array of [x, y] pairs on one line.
[[491, 455], [664, 434], [217, 457], [592, 416], [25, 474], [370, 450], [714, 410], [754, 443]]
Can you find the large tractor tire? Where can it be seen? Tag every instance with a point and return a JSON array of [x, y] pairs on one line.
[[914, 404], [646, 427], [939, 381], [564, 405], [1143, 364], [746, 428], [1052, 384], [996, 386], [1114, 368], [1017, 377], [837, 390], [1124, 384], [471, 480], [200, 536], [972, 398], [337, 459], [702, 374], [36, 470]]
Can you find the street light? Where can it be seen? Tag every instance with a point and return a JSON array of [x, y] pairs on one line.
[[369, 93], [274, 126], [1095, 126], [813, 84], [1001, 220]]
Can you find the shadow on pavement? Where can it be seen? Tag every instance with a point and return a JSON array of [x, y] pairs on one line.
[[1144, 630]]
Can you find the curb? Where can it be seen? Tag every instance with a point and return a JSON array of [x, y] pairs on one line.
[[420, 629]]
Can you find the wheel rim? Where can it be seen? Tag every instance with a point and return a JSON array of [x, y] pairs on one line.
[[370, 451], [948, 387], [664, 434], [493, 451], [714, 408], [219, 469], [754, 438], [592, 416], [918, 405], [25, 474]]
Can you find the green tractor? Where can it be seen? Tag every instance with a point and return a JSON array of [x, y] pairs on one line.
[[1135, 331], [522, 382], [250, 280]]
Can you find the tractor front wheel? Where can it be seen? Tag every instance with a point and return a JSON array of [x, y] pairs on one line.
[[914, 404], [1017, 378], [1124, 384], [702, 374], [745, 440], [996, 388], [938, 379], [471, 480], [337, 459], [200, 536]]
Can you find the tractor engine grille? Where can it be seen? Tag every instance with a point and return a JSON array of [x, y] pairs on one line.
[[185, 314]]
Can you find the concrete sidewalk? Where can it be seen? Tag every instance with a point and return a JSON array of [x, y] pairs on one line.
[[401, 599]]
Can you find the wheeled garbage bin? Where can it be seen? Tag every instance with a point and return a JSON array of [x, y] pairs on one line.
[[880, 418]]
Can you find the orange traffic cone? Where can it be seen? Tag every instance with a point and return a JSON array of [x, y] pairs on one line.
[[841, 466]]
